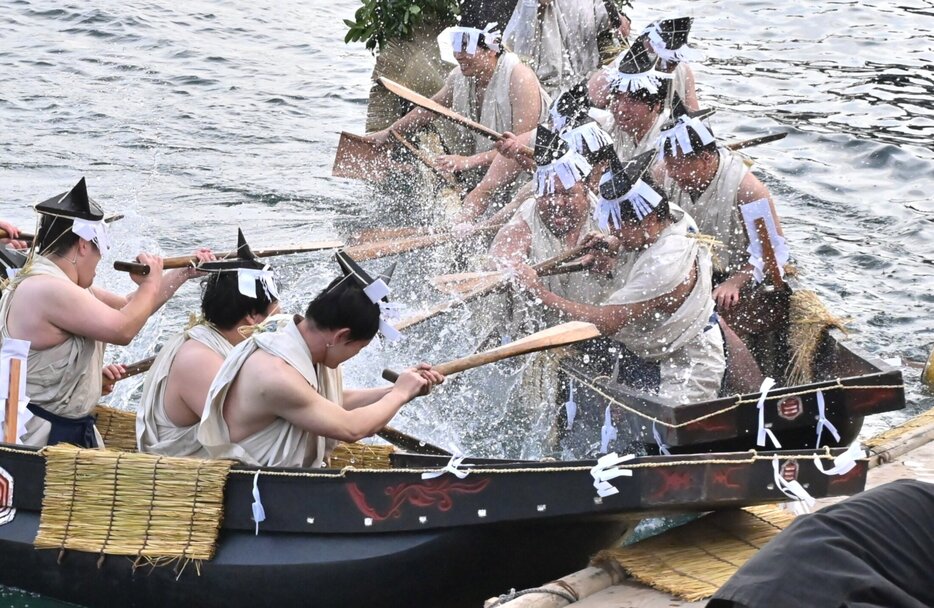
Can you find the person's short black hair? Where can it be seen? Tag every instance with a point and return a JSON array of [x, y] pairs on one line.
[[224, 306], [658, 98], [55, 235], [343, 304], [697, 146]]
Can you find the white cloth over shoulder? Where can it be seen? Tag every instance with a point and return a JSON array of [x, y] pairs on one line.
[[494, 110], [281, 444], [717, 213], [625, 144], [155, 431], [557, 39], [65, 379]]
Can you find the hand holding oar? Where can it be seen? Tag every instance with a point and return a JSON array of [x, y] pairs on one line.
[[426, 160], [445, 112], [553, 337], [190, 260]]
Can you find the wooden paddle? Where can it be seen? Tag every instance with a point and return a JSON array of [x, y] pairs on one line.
[[553, 337], [756, 141], [426, 160], [445, 112], [359, 158], [185, 261], [465, 282], [29, 237], [489, 286], [371, 251]]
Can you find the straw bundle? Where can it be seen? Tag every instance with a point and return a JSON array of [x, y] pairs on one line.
[[361, 456], [909, 426], [808, 322], [693, 561], [153, 508], [117, 427]]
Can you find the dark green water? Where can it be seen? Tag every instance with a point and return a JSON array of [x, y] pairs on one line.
[[195, 118]]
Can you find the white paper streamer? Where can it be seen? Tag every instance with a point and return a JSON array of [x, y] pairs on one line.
[[588, 134], [570, 169], [679, 137], [631, 83], [466, 40], [451, 467], [767, 385], [793, 490], [682, 53], [606, 469], [662, 446], [246, 282], [10, 349], [843, 463], [643, 198], [259, 513], [822, 421], [376, 291], [570, 406], [761, 209], [608, 431], [93, 231]]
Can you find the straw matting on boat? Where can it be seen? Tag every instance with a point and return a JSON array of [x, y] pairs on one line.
[[693, 561], [909, 426], [153, 508], [117, 427], [361, 456], [808, 322]]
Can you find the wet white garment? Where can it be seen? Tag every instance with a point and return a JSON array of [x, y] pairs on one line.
[[677, 84], [494, 110], [625, 144], [717, 213], [557, 39], [280, 444], [155, 431], [691, 358], [65, 379]]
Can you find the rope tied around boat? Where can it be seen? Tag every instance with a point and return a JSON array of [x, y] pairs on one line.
[[837, 383], [567, 596]]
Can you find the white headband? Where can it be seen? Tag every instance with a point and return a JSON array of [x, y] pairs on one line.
[[93, 231], [570, 169], [466, 39], [679, 136]]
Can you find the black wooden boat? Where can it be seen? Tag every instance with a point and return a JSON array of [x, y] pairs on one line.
[[388, 537]]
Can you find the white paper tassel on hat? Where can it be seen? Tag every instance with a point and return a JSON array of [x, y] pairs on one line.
[[376, 291], [95, 232], [246, 282], [643, 198], [589, 134], [644, 81], [679, 136], [683, 53], [570, 169], [467, 39]]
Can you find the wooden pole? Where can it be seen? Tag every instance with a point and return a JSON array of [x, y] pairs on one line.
[[771, 269], [756, 141], [372, 251], [189, 260], [426, 160], [12, 403]]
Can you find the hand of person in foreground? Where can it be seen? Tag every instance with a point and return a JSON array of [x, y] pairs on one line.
[[454, 163], [418, 381], [204, 254], [603, 257], [155, 270], [726, 294], [526, 276], [12, 239], [111, 373], [509, 145]]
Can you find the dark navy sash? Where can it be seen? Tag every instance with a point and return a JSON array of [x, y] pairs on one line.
[[76, 431]]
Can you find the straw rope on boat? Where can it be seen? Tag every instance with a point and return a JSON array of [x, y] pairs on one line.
[[693, 561], [808, 322], [153, 508], [361, 455], [888, 437]]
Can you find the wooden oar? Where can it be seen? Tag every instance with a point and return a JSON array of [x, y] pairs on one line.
[[29, 237], [371, 251], [426, 160], [553, 337], [756, 141], [433, 106], [185, 261], [359, 158], [488, 287], [370, 235], [465, 282]]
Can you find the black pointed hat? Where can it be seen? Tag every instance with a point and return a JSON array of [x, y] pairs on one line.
[[549, 146], [245, 258], [386, 275], [573, 104], [625, 175], [678, 109], [352, 269], [675, 31], [73, 204], [637, 59]]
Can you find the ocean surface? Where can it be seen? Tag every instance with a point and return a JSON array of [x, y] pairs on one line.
[[196, 118]]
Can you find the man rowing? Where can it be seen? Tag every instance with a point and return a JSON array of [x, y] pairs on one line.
[[714, 184], [554, 219], [490, 86], [279, 396], [659, 309], [237, 294], [54, 305], [559, 38]]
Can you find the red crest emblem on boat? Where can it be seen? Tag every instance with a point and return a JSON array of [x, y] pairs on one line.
[[7, 512], [790, 408], [790, 470]]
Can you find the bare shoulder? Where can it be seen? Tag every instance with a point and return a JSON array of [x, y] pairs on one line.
[[523, 76], [271, 378], [751, 189], [194, 356]]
